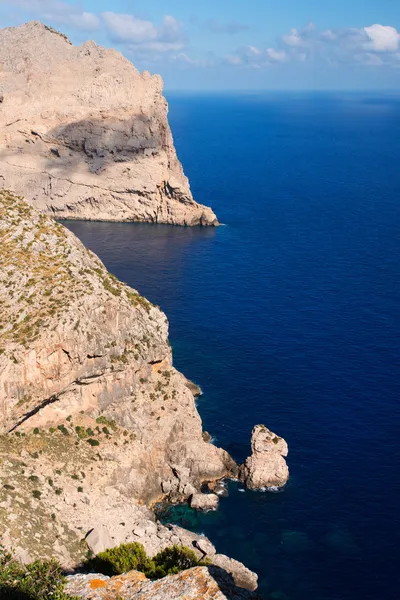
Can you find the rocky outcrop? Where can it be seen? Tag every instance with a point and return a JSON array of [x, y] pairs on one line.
[[96, 420], [84, 135], [207, 583], [266, 467]]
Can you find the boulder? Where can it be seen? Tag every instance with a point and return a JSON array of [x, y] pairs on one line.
[[266, 467], [99, 539], [204, 501], [242, 576]]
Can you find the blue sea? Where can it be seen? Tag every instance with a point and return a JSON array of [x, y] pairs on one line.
[[289, 315]]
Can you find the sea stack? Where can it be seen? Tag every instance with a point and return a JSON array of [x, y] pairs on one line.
[[266, 467], [84, 135]]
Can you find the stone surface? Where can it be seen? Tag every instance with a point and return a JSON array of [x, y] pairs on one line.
[[204, 501], [94, 416], [200, 583], [84, 135], [99, 539], [242, 576], [266, 467]]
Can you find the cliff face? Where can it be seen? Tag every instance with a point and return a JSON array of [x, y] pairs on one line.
[[84, 135], [76, 341]]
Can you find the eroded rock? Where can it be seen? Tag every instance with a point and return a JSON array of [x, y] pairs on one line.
[[266, 467]]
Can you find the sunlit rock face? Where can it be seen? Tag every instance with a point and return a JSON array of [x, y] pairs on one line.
[[84, 135]]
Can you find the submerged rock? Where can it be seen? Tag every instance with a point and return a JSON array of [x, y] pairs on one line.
[[266, 467], [84, 135]]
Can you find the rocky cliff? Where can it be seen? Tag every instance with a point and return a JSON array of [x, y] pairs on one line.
[[96, 424], [84, 135], [95, 418]]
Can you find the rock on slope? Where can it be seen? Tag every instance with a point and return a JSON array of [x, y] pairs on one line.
[[84, 135]]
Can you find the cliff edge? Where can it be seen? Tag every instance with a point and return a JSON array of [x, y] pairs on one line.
[[84, 135]]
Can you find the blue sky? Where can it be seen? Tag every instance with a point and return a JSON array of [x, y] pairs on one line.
[[237, 44]]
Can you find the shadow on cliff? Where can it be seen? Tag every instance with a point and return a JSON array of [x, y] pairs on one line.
[[94, 144]]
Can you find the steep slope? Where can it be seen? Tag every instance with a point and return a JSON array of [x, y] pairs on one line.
[[76, 340], [84, 135]]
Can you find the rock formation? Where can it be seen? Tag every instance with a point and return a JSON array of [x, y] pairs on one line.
[[205, 583], [95, 421], [266, 467], [84, 135]]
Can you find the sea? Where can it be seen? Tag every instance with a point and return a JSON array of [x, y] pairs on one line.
[[288, 315]]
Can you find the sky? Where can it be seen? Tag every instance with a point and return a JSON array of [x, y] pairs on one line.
[[217, 45]]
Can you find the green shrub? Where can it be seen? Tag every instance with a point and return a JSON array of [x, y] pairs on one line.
[[93, 442], [40, 580], [173, 560], [63, 429], [132, 556], [123, 558]]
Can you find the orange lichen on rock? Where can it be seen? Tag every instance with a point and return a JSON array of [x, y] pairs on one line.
[[95, 584]]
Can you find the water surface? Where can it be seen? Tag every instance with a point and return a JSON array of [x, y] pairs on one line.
[[289, 316]]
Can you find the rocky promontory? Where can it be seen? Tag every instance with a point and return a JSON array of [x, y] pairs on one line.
[[84, 135]]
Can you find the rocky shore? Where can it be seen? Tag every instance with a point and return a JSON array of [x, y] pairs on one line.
[[97, 425]]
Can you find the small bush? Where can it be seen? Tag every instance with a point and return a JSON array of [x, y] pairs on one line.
[[132, 556], [36, 494], [173, 560], [63, 429], [40, 580], [121, 559], [93, 442]]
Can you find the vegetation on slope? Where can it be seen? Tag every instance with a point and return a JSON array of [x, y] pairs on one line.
[[44, 579]]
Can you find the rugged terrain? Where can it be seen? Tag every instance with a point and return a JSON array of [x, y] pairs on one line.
[[87, 385], [84, 135], [96, 424]]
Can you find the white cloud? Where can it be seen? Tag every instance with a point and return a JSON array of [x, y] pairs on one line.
[[383, 38], [56, 11], [256, 58], [276, 55], [138, 33], [293, 38], [372, 46]]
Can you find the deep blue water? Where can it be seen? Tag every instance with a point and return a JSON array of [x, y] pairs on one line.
[[289, 316]]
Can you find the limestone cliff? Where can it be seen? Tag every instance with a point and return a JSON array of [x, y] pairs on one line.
[[84, 135]]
